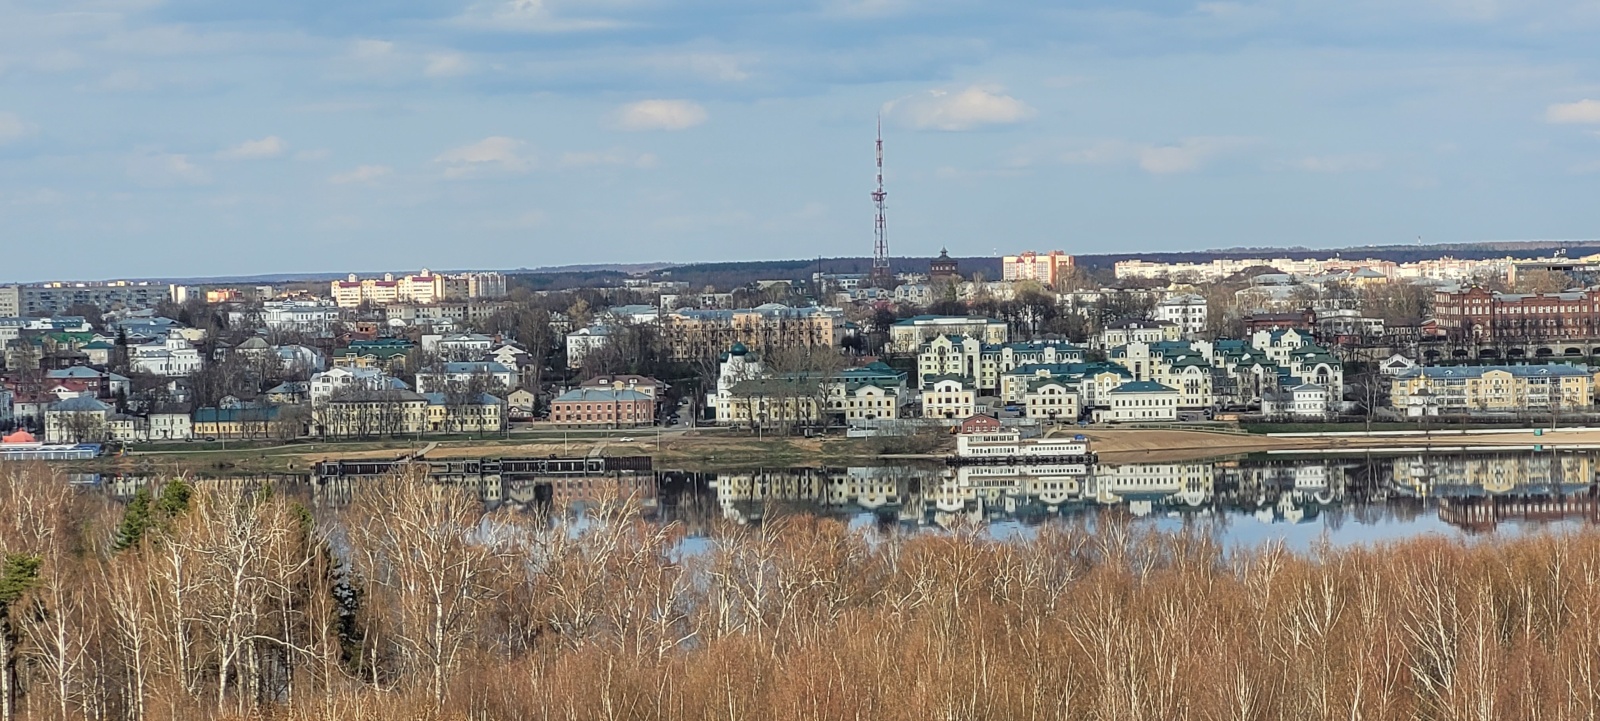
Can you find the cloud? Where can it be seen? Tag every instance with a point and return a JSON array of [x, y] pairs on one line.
[[1185, 156], [497, 153], [534, 16], [446, 65], [158, 170], [1583, 111], [271, 146], [362, 174], [955, 110], [13, 128], [660, 115], [367, 49]]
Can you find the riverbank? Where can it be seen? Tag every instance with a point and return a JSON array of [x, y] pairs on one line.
[[705, 449], [696, 449], [1173, 445]]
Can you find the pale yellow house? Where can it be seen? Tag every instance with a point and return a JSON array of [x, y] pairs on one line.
[[1495, 389]]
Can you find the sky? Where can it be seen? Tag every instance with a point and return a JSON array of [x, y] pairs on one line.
[[169, 138]]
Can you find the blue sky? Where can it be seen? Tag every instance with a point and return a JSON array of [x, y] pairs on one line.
[[196, 137]]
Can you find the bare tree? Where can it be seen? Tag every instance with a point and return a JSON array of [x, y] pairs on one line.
[[426, 552]]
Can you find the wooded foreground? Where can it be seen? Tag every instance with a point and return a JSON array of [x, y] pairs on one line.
[[413, 603]]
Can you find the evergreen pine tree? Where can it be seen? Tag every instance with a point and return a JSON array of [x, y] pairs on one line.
[[135, 521]]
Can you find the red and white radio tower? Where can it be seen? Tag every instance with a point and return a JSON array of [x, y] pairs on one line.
[[881, 277]]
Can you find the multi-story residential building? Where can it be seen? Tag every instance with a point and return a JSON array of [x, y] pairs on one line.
[[459, 374], [77, 420], [1052, 399], [154, 428], [948, 397], [1492, 389], [458, 346], [643, 384], [1046, 268], [304, 315], [1092, 380], [1185, 310], [867, 393], [344, 381], [773, 403], [691, 334], [1307, 401], [58, 297], [1448, 269], [387, 354], [585, 341], [983, 364], [453, 413], [174, 357], [424, 287], [610, 407], [1135, 330], [1479, 315], [1142, 401], [909, 334]]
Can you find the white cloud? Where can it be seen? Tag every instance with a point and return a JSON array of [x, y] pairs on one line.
[[367, 49], [660, 115], [13, 128], [166, 170], [362, 174], [535, 16], [271, 146], [1185, 156], [1340, 163], [1582, 111], [446, 65], [497, 153], [967, 109]]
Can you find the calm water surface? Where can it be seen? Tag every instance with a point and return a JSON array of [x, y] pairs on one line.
[[1299, 502]]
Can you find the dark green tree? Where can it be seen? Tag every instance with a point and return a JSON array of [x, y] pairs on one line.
[[145, 513], [18, 573]]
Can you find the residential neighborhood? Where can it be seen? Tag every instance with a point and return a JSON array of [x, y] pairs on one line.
[[479, 353]]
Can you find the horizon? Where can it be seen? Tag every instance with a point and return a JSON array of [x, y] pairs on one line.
[[1442, 249]]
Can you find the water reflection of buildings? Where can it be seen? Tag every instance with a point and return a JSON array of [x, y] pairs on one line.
[[1030, 492], [1472, 492]]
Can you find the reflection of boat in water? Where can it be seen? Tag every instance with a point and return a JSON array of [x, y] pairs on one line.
[[1008, 447]]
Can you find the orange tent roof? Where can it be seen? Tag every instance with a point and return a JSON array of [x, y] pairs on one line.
[[21, 436]]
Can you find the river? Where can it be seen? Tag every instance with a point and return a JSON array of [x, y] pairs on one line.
[[1300, 502]]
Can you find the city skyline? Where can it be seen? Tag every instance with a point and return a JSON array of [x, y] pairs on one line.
[[176, 139]]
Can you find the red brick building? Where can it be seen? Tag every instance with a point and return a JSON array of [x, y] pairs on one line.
[[603, 407], [1482, 316], [980, 423]]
